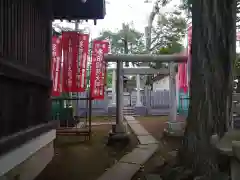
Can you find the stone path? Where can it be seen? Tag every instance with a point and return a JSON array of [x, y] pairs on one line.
[[82, 124], [129, 165], [103, 123]]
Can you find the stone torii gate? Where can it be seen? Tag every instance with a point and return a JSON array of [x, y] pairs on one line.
[[120, 58], [134, 71]]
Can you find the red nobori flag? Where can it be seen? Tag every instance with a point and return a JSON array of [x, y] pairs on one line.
[[83, 45], [56, 65], [98, 69], [106, 50], [70, 53]]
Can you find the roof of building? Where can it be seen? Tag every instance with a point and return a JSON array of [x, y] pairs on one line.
[[78, 9]]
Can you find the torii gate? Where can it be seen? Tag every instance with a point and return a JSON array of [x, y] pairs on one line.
[[120, 58], [134, 71]]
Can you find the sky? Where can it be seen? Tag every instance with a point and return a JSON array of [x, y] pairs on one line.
[[123, 11]]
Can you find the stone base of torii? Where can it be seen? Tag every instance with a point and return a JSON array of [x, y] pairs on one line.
[[174, 127]]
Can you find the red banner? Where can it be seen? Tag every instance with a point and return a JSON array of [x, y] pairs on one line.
[[98, 69], [56, 65], [70, 53], [83, 42]]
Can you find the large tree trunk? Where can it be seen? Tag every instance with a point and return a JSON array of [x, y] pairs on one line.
[[213, 55]]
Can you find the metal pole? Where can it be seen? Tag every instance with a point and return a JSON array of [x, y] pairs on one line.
[[90, 116], [74, 103]]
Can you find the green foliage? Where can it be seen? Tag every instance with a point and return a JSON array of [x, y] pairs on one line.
[[130, 34], [172, 48], [167, 35], [109, 78], [187, 5], [169, 31]]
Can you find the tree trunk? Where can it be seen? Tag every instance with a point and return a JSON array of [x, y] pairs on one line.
[[148, 30], [213, 55]]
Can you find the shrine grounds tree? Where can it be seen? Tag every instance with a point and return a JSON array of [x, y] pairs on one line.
[[134, 38], [166, 36], [187, 5], [168, 32], [213, 57]]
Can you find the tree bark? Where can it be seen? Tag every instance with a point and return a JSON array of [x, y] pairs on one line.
[[148, 30], [213, 55]]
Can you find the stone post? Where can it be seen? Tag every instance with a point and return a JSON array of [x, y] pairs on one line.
[[172, 91], [148, 99], [119, 98], [139, 108], [174, 127], [138, 86]]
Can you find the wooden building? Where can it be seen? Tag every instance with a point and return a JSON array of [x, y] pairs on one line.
[[26, 128]]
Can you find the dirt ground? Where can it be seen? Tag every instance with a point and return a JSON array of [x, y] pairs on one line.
[[78, 160], [168, 146], [155, 125]]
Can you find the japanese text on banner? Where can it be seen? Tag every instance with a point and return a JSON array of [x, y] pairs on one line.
[[56, 65], [98, 69], [70, 53], [83, 40]]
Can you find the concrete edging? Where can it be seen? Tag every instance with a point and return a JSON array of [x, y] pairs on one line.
[[130, 164]]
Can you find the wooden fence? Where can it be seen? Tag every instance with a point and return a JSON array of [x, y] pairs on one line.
[[155, 101]]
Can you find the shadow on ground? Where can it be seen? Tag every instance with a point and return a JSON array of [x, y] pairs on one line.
[[75, 159]]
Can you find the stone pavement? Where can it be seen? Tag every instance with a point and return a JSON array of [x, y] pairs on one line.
[[104, 123], [130, 164]]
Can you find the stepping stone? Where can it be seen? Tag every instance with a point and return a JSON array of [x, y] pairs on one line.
[[133, 121], [147, 146], [138, 129], [120, 171], [147, 139], [139, 155], [130, 119], [153, 177]]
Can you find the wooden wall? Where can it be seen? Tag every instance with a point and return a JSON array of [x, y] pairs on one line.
[[25, 56]]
